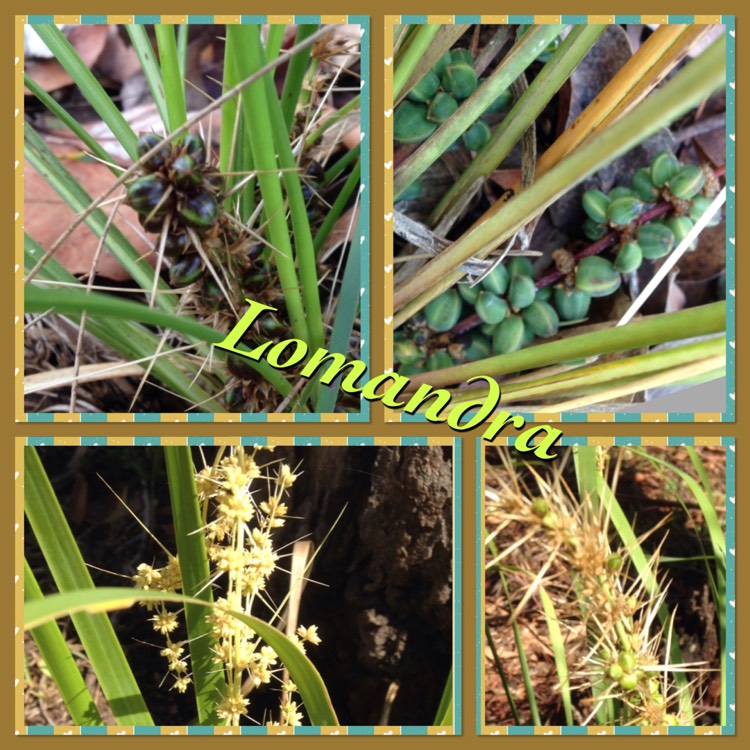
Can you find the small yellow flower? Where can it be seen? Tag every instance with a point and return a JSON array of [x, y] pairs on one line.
[[181, 684], [165, 622], [285, 478], [309, 634]]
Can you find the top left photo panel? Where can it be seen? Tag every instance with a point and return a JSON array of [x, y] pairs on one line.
[[191, 217]]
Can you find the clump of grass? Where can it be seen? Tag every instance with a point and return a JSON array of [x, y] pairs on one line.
[[573, 554]]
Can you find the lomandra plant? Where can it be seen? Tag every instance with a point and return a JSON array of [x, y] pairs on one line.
[[252, 194], [214, 581], [566, 564]]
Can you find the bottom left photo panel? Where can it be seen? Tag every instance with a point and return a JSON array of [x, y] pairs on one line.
[[248, 587]]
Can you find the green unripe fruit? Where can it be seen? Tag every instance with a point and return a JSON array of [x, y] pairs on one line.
[[497, 280], [439, 68], [629, 257], [476, 346], [460, 79], [541, 318], [671, 720], [680, 226], [176, 244], [185, 172], [148, 141], [621, 191], [414, 369], [469, 293], [644, 186], [595, 204], [528, 337], [605, 654], [441, 108], [410, 123], [508, 336], [655, 240], [593, 230], [407, 352], [186, 270], [597, 276], [462, 55], [698, 206], [572, 304], [522, 292], [502, 102], [147, 192], [663, 168], [688, 182], [615, 672], [425, 88], [628, 682], [544, 294], [540, 507], [627, 661], [488, 329], [439, 361], [520, 265], [623, 211], [477, 136], [444, 311], [491, 308], [200, 210], [614, 562]]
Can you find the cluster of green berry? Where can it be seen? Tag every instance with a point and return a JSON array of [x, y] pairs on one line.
[[181, 188], [509, 308], [436, 97], [688, 188]]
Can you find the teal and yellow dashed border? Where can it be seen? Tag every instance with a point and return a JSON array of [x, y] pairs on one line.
[[363, 232], [728, 415], [730, 595], [21, 443]]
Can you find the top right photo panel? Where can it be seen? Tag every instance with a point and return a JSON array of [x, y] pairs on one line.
[[560, 213]]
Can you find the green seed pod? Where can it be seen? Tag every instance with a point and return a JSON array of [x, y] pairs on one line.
[[520, 265], [572, 304], [195, 148], [605, 654], [540, 507], [442, 64], [491, 308], [629, 257], [627, 661], [643, 185], [410, 123], [441, 108], [476, 346], [680, 226], [615, 672], [496, 281], [176, 244], [541, 318], [595, 204], [544, 294], [655, 240], [469, 293], [522, 292], [488, 329], [508, 336], [698, 206], [623, 211], [439, 360], [502, 102], [460, 79], [407, 352], [186, 270], [148, 141], [462, 55], [614, 562], [414, 369], [663, 168], [185, 173], [593, 230], [200, 210], [597, 276], [688, 182], [621, 191], [477, 136], [628, 682], [425, 88], [444, 311], [147, 192], [411, 193], [528, 337]]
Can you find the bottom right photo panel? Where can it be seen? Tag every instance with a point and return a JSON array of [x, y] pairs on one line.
[[607, 582]]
